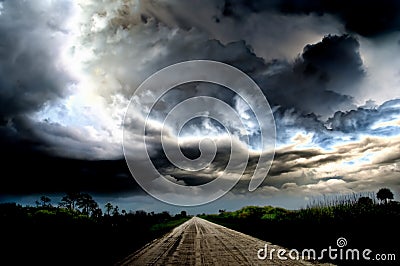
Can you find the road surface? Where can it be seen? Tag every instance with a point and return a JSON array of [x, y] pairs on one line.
[[200, 242]]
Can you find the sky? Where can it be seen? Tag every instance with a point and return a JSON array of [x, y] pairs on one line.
[[329, 70]]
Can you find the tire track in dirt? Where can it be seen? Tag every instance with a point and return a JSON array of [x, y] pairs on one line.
[[200, 242]]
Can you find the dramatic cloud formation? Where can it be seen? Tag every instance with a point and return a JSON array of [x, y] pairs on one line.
[[328, 69], [369, 18], [31, 73], [319, 75]]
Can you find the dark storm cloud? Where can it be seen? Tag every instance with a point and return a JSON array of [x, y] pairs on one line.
[[130, 47], [335, 59], [36, 81], [368, 18], [271, 34], [239, 9], [323, 74], [32, 76], [39, 173], [318, 80], [213, 170], [30, 166], [31, 35], [219, 163]]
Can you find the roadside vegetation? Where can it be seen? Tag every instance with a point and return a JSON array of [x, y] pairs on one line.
[[76, 231], [366, 220]]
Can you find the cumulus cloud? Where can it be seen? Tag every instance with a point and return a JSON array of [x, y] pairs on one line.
[[358, 166], [377, 121], [359, 154]]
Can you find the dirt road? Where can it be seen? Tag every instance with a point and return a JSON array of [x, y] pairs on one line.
[[199, 242]]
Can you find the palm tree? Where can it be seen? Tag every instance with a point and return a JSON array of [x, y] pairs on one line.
[[109, 208], [384, 195]]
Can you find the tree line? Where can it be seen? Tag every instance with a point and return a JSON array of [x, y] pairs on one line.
[[101, 235], [80, 203]]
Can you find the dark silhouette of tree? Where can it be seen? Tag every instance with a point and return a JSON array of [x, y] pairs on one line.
[[45, 201], [364, 205], [93, 207], [141, 213], [384, 195], [86, 203], [116, 211], [165, 215], [123, 212], [365, 201], [109, 208], [70, 200], [37, 203], [183, 214], [97, 213]]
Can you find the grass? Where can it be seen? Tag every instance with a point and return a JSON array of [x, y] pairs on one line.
[[359, 217], [169, 225]]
